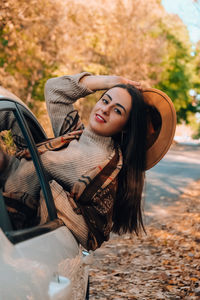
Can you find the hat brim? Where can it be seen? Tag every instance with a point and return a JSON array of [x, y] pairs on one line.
[[165, 107]]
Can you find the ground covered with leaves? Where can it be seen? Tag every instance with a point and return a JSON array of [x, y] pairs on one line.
[[164, 264]]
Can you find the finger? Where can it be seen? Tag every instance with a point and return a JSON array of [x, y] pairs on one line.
[[136, 84]]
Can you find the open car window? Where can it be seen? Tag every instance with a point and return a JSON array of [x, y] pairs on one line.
[[19, 213]]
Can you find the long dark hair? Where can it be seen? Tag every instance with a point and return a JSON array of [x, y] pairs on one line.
[[127, 214]]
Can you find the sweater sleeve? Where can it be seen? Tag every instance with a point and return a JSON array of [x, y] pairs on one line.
[[60, 94]]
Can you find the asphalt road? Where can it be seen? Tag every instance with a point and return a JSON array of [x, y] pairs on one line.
[[172, 175]]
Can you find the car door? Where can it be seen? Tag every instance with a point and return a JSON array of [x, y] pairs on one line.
[[44, 261]]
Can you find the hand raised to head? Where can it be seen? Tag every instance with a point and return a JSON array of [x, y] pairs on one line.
[[105, 82], [136, 84]]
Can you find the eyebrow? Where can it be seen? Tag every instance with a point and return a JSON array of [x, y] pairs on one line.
[[116, 103]]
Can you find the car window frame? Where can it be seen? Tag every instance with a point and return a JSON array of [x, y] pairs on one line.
[[16, 236]]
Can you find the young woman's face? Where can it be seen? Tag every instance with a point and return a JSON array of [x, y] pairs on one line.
[[111, 112]]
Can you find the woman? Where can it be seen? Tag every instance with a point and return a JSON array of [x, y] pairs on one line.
[[97, 180]]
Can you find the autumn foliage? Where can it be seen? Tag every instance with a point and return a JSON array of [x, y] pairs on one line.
[[133, 38]]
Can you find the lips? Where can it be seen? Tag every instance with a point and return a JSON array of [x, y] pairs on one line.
[[99, 119]]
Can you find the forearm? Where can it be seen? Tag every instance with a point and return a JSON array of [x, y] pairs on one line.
[[105, 82]]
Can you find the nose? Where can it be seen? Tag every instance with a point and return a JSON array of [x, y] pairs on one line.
[[105, 110]]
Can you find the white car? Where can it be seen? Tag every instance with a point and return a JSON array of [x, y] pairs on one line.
[[42, 261]]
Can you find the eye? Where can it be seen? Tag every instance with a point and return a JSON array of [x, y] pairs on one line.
[[118, 111], [105, 101]]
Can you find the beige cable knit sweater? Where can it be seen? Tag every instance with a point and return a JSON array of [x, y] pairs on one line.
[[63, 167]]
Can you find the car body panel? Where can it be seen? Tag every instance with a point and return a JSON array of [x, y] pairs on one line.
[[50, 265]]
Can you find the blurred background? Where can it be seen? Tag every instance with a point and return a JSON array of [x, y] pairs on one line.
[[152, 41]]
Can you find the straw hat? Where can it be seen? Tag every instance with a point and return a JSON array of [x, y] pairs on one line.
[[162, 125]]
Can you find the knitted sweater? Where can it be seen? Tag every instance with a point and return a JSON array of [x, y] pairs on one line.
[[94, 194], [66, 165]]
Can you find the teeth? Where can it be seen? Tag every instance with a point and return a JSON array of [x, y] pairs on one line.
[[99, 117]]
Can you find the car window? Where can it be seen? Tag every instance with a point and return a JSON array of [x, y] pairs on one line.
[[23, 180], [35, 128]]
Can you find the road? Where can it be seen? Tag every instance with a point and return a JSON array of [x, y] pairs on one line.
[[172, 174]]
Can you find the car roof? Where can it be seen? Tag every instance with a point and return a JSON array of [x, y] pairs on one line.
[[35, 127], [4, 93]]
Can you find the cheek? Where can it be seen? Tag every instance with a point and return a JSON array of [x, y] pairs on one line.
[[92, 114], [122, 122], [118, 126], [95, 108], [93, 111]]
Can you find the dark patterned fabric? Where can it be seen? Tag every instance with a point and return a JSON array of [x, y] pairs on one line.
[[21, 215], [96, 200], [71, 130]]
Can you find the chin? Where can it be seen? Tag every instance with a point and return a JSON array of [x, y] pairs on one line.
[[98, 131], [96, 128]]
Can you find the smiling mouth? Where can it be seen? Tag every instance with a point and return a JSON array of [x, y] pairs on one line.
[[100, 118]]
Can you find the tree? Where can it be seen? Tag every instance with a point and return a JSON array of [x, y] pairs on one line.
[[28, 45], [132, 38], [178, 69]]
